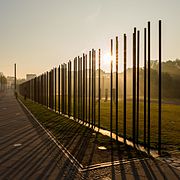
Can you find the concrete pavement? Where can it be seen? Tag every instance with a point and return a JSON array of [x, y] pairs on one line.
[[26, 152]]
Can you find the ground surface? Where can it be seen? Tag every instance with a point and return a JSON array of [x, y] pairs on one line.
[[27, 152], [81, 141]]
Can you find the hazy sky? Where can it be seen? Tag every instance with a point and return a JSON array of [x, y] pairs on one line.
[[41, 34]]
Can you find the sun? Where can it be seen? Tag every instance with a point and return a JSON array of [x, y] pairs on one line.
[[107, 58], [106, 61]]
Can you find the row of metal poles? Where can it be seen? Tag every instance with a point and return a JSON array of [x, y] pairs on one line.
[[72, 91]]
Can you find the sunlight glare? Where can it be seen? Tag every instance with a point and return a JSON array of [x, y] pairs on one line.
[[107, 58]]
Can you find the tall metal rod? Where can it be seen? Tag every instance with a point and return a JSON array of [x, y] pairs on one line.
[[42, 89], [41, 92], [86, 83], [62, 88], [74, 110], [145, 87], [59, 81], [55, 88], [159, 123], [81, 99], [34, 95], [70, 85], [82, 108], [83, 88], [45, 86], [48, 75], [52, 86], [111, 86], [78, 87], [99, 105], [75, 83], [31, 87], [134, 87], [63, 84], [29, 93], [92, 87], [65, 88], [47, 89], [34, 91], [149, 91], [116, 88], [15, 77], [69, 89], [137, 115], [38, 89], [89, 87], [125, 88], [51, 89]]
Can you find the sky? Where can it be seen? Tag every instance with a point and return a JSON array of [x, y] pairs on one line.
[[38, 35]]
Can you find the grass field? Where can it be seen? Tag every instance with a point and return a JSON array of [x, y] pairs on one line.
[[82, 142], [170, 121]]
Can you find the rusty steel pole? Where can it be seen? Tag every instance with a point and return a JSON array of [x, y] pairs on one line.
[[111, 85], [125, 88], [117, 88], [149, 88], [160, 95]]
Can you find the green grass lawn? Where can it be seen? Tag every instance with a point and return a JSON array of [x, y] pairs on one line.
[[82, 142], [170, 121]]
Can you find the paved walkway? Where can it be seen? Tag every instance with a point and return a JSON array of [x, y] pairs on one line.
[[26, 152]]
